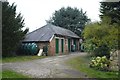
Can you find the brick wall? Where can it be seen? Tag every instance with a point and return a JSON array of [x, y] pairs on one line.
[[51, 49], [78, 45], [52, 45], [42, 44], [66, 46]]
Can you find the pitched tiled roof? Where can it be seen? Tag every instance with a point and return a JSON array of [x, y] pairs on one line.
[[46, 32]]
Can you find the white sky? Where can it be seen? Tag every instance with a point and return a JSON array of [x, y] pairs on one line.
[[36, 12]]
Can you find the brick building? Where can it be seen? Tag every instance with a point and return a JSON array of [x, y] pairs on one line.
[[58, 40]]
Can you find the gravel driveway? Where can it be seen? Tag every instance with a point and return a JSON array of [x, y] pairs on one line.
[[50, 67]]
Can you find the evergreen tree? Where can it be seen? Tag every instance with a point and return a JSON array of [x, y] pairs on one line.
[[70, 18], [111, 10], [12, 33]]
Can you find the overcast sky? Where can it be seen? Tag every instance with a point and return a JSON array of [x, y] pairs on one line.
[[36, 12]]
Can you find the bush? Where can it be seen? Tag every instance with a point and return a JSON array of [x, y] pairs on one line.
[[102, 51], [100, 63], [89, 46], [100, 38]]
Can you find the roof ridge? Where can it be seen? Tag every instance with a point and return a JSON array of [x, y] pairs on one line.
[[63, 29]]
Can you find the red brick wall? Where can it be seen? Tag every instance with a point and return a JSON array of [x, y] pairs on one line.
[[52, 46], [66, 46], [42, 44], [51, 49], [77, 44]]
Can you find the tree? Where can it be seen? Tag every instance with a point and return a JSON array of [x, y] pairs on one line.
[[12, 33], [70, 18], [102, 37], [111, 10]]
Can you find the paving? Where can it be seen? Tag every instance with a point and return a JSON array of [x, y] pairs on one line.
[[50, 67]]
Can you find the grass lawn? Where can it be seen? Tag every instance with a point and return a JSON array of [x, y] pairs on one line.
[[12, 74], [21, 58], [82, 64]]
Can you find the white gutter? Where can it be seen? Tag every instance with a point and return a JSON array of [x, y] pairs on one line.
[[51, 38]]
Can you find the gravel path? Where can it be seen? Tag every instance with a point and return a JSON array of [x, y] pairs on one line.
[[50, 67]]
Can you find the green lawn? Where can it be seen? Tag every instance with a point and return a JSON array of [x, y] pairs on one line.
[[21, 58], [82, 64], [12, 74]]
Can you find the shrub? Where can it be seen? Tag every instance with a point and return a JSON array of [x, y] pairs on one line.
[[102, 50], [89, 46], [100, 63], [100, 38]]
